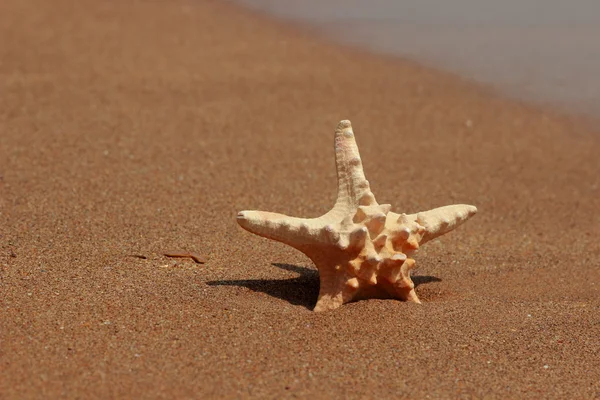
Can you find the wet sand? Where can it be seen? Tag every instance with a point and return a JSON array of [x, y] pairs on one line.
[[133, 128]]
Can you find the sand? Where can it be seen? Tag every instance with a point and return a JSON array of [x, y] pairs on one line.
[[136, 127]]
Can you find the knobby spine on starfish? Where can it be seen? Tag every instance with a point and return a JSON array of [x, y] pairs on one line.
[[360, 248]]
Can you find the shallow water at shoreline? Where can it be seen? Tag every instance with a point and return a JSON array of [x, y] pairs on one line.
[[546, 51]]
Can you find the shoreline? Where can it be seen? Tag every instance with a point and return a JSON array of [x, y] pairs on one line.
[[586, 113]]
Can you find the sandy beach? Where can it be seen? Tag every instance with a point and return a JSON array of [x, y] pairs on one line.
[[130, 128]]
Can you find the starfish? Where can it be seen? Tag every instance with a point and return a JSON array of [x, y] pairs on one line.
[[360, 248]]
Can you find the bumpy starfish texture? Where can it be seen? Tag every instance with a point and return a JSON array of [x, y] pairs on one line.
[[360, 248]]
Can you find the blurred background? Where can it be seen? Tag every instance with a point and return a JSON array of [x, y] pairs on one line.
[[547, 51]]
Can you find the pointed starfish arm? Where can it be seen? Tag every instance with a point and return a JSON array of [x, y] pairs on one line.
[[442, 220], [353, 187], [296, 232]]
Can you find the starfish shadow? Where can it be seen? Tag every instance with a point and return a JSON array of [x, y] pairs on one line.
[[419, 280], [302, 290]]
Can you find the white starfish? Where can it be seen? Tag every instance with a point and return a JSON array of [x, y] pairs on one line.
[[360, 248]]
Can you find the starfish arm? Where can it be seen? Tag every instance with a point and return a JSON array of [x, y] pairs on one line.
[[353, 187], [336, 287], [442, 220], [295, 232]]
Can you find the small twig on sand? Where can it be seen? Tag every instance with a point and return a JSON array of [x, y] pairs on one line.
[[194, 256]]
